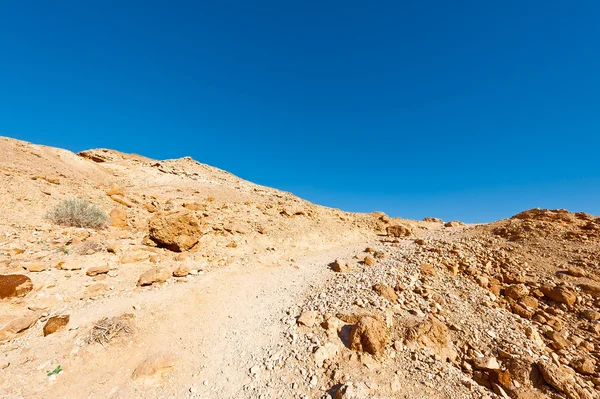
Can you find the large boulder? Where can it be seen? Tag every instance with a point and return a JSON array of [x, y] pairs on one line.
[[14, 285], [369, 335], [177, 231]]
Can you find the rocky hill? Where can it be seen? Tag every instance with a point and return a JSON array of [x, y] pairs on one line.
[[202, 285]]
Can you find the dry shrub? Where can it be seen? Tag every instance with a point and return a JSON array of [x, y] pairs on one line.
[[108, 328], [78, 213]]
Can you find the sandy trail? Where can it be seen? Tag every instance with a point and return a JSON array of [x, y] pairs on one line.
[[216, 325]]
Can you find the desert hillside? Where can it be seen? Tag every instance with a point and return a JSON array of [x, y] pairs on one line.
[[200, 284]]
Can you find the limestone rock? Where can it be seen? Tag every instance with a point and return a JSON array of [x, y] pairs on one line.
[[433, 334], [96, 270], [122, 200], [398, 231], [585, 365], [591, 315], [178, 231], [560, 294], [36, 267], [56, 323], [156, 365], [351, 391], [10, 326], [118, 218], [235, 227], [369, 261], [134, 257], [340, 266], [591, 289], [427, 269], [386, 291], [576, 271], [454, 223], [559, 378], [182, 270], [115, 189], [325, 352], [486, 363], [369, 335], [308, 318], [559, 341], [516, 291], [70, 265], [156, 275], [94, 290], [14, 285]]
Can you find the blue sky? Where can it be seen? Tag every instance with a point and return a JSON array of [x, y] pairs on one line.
[[464, 110]]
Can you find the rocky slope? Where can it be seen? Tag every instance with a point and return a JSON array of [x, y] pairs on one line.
[[204, 285]]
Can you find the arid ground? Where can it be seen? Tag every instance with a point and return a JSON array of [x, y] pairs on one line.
[[203, 285]]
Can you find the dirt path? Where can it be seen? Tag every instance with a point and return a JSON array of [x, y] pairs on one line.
[[217, 326]]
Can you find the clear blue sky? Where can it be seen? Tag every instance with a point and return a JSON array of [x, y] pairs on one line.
[[471, 110]]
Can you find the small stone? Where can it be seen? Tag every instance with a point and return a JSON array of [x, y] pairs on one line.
[[94, 271], [155, 365], [181, 271], [118, 218], [134, 257], [559, 341], [70, 265], [560, 294], [56, 323], [36, 267], [115, 189], [590, 314], [156, 275], [516, 291], [427, 269], [341, 267], [576, 271], [308, 318], [585, 365], [386, 291], [486, 363], [94, 290]]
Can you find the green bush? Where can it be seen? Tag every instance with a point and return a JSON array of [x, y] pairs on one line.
[[78, 213]]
